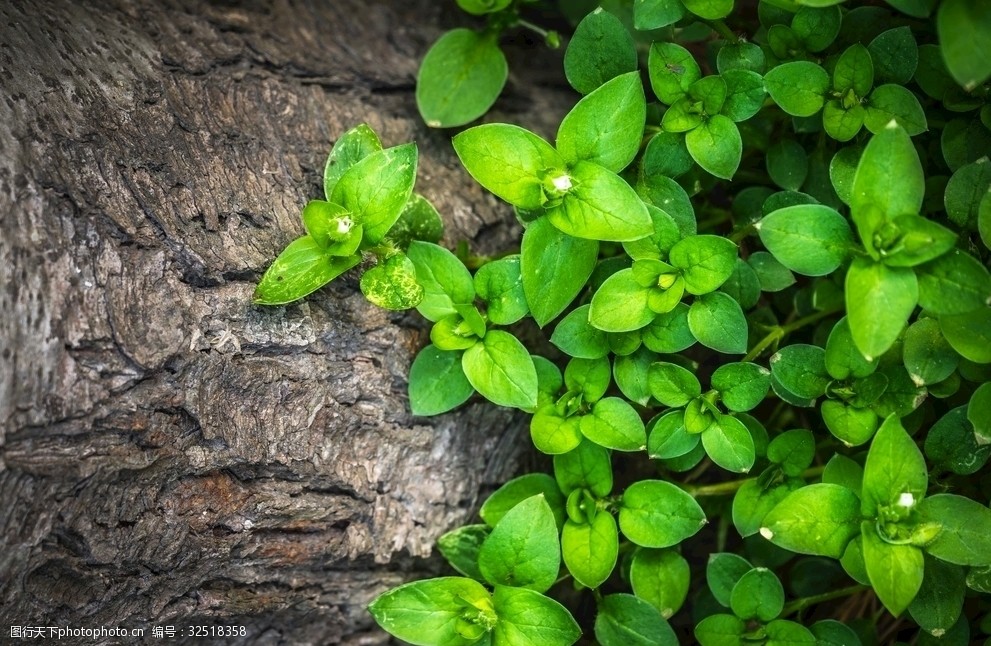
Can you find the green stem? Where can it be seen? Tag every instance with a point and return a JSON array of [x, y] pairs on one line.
[[781, 331], [721, 28], [731, 486], [801, 604]]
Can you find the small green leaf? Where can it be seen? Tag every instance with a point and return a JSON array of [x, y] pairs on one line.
[[801, 369], [740, 56], [843, 359], [500, 285], [654, 513], [555, 267], [437, 383], [773, 276], [969, 334], [787, 164], [523, 549], [376, 189], [717, 322], [716, 146], [895, 472], [879, 300], [745, 93], [891, 102], [508, 161], [928, 358], [626, 620], [741, 386], [614, 424], [706, 262], [895, 571], [445, 280], [600, 206], [830, 632], [427, 613], [854, 71], [672, 69], [673, 385], [331, 226], [600, 49], [528, 618], [967, 187], [911, 240], [729, 444], [842, 123], [460, 78], [302, 268], [809, 239], [654, 14], [586, 467], [817, 519], [668, 436], [590, 549], [661, 578], [979, 413], [392, 285], [758, 595], [621, 304], [752, 503], [669, 332], [576, 337], [720, 630], [606, 127], [781, 632], [817, 26], [519, 489], [722, 572], [965, 538], [953, 443], [350, 148], [793, 451], [553, 434], [965, 40], [460, 548], [852, 426], [940, 599], [501, 369], [630, 373], [418, 221], [799, 87]]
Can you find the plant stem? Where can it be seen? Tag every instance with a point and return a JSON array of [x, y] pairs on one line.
[[731, 486], [779, 332], [721, 28], [801, 604]]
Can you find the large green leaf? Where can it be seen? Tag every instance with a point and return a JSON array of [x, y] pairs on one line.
[[460, 78], [599, 205], [523, 549], [429, 612], [528, 618], [879, 300], [810, 239], [606, 127], [654, 513], [445, 280], [349, 149], [376, 189], [555, 267], [302, 268], [817, 519], [895, 472], [501, 369], [965, 535]]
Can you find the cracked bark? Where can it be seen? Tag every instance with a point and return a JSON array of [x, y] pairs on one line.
[[169, 454]]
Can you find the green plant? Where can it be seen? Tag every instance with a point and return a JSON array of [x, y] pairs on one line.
[[769, 309]]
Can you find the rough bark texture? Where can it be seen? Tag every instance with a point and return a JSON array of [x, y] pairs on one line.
[[170, 454]]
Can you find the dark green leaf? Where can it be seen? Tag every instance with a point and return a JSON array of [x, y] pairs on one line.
[[576, 337], [801, 369], [729, 444], [773, 276], [673, 385], [653, 14], [741, 386], [955, 283], [722, 572], [964, 192], [928, 358], [720, 630], [793, 451], [940, 600], [668, 436], [740, 56], [787, 164], [500, 285], [969, 334], [798, 87], [706, 262], [523, 549], [600, 49], [752, 503], [626, 620], [892, 102], [745, 93], [895, 55], [965, 39], [418, 221], [437, 383]]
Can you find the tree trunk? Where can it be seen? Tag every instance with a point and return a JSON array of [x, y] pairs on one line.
[[171, 455]]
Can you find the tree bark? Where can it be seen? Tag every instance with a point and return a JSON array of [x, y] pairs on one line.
[[171, 455]]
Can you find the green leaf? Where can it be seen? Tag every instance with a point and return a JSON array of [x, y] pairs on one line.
[[519, 489], [809, 239], [879, 300], [302, 268], [852, 426], [460, 548], [555, 267], [801, 369], [684, 115], [331, 226], [964, 141], [508, 161], [758, 595], [910, 240], [965, 40], [843, 123], [375, 190], [654, 513], [895, 55], [781, 632], [460, 78], [928, 358], [842, 170], [709, 9], [706, 262], [854, 71], [743, 285], [799, 87], [672, 69], [752, 503], [445, 280], [501, 369], [965, 538], [500, 285], [967, 187], [481, 7], [653, 14], [979, 413], [418, 221], [553, 434], [437, 383], [523, 549], [744, 93], [895, 473], [590, 377], [895, 571], [669, 332], [717, 322], [741, 386], [630, 373], [430, 612], [830, 632], [954, 283], [793, 451], [787, 164], [969, 334], [590, 549], [664, 158], [392, 285], [817, 26], [716, 146], [952, 443], [673, 385], [625, 620], [773, 276], [722, 572], [817, 519], [915, 8], [843, 359], [606, 126], [528, 618], [729, 444], [621, 304], [614, 424], [350, 148], [940, 599], [891, 102], [889, 182], [661, 578], [740, 56], [600, 49], [587, 467], [720, 630], [576, 337], [600, 206], [668, 436]]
